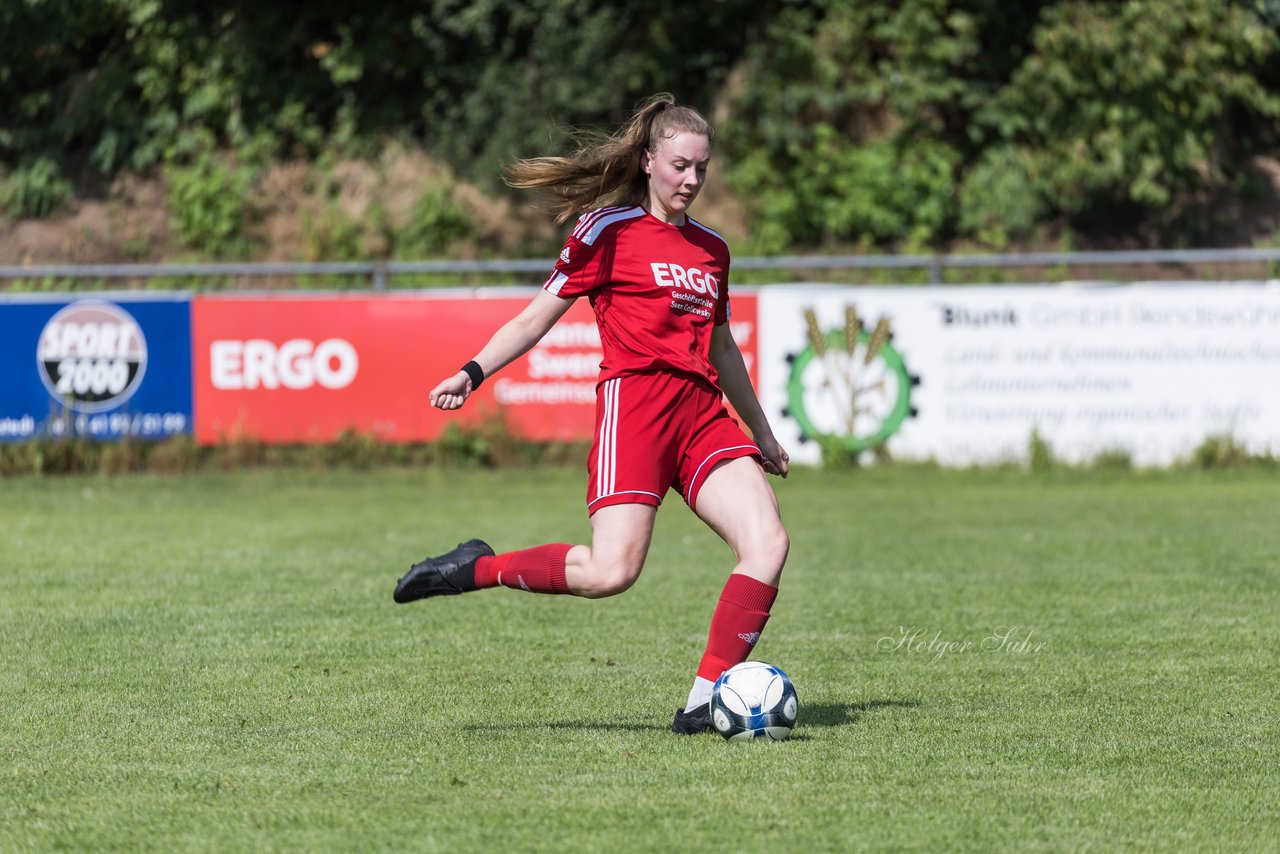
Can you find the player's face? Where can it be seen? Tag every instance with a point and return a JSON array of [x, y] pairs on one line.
[[677, 169]]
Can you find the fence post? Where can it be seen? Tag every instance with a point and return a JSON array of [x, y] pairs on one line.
[[379, 276], [935, 269]]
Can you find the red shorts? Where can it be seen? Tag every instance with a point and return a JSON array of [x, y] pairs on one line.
[[656, 431]]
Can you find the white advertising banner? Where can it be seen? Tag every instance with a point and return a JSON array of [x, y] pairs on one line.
[[964, 375]]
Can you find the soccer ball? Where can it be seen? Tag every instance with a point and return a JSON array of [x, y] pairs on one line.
[[754, 700]]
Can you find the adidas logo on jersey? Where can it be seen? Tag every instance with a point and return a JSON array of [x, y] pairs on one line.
[[750, 637], [564, 255], [691, 279]]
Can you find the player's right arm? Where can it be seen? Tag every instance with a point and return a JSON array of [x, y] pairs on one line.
[[579, 270], [509, 343]]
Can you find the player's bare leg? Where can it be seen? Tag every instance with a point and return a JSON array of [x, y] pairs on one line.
[[739, 505], [611, 564], [620, 536]]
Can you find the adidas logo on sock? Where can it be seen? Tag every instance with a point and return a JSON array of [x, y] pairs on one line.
[[750, 637]]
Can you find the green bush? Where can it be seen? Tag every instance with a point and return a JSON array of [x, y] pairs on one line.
[[853, 120], [462, 447], [34, 190], [836, 453], [999, 200], [353, 449], [1040, 453], [331, 236], [843, 121], [877, 192], [886, 190], [1143, 102], [1113, 459], [1116, 114], [175, 455], [47, 455], [779, 219], [436, 224], [113, 83], [210, 205], [1224, 451]]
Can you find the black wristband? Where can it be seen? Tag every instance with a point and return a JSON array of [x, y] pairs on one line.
[[476, 373]]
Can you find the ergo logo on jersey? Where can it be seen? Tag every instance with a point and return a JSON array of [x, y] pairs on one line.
[[295, 364], [692, 279], [92, 355]]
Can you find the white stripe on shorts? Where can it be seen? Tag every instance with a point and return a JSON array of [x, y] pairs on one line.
[[607, 452], [712, 455], [611, 484], [626, 492]]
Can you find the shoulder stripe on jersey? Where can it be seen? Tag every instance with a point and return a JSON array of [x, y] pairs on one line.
[[604, 222], [555, 282], [713, 233], [585, 221], [594, 217]]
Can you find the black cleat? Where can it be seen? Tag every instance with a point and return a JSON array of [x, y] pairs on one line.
[[447, 575], [692, 723]]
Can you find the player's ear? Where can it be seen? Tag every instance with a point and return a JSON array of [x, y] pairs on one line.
[[646, 162]]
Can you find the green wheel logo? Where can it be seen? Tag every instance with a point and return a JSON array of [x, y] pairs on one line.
[[849, 387]]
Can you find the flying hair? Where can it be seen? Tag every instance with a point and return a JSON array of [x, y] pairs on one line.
[[605, 168]]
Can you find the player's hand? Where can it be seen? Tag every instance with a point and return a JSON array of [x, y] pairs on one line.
[[451, 393], [776, 460]]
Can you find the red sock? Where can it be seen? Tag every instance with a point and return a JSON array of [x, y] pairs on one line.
[[736, 625], [537, 570]]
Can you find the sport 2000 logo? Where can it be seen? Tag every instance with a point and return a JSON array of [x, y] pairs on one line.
[[849, 387], [92, 356]]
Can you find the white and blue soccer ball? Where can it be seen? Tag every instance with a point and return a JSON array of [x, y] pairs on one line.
[[754, 700]]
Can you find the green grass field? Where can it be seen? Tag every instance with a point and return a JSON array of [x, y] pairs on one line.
[[214, 662]]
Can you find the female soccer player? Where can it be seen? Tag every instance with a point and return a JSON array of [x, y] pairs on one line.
[[658, 281]]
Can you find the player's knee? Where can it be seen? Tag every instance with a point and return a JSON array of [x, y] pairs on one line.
[[609, 578], [779, 546], [782, 546], [767, 554]]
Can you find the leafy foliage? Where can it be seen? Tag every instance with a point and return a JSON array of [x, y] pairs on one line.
[[1139, 102], [908, 122], [1028, 111], [885, 101], [35, 190], [437, 222], [1000, 200], [210, 205], [112, 83]]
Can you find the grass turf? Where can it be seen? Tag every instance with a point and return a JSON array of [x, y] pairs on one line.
[[214, 662]]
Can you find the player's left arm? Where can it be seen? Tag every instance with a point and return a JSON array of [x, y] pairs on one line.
[[735, 382]]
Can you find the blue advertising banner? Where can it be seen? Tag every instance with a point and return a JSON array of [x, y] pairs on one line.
[[101, 367]]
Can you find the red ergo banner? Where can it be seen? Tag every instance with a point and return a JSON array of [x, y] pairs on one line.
[[290, 368]]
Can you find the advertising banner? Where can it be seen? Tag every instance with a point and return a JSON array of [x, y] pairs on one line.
[[305, 368], [102, 367], [963, 375]]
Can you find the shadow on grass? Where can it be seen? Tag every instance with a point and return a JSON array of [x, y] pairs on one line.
[[811, 715], [843, 714], [604, 726]]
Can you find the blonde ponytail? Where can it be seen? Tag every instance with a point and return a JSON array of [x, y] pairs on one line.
[[605, 168]]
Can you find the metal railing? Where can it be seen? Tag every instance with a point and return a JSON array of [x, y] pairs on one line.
[[380, 273]]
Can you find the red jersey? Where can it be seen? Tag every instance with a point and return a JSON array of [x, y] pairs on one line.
[[656, 289]]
